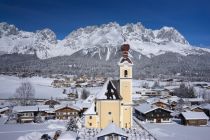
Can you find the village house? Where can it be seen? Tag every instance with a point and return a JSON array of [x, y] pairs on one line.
[[151, 113], [51, 102], [193, 101], [29, 113], [113, 104], [196, 109], [5, 111], [64, 112], [194, 118]]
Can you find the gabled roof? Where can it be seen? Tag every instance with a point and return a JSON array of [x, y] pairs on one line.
[[58, 107], [111, 129], [194, 115], [194, 107], [102, 93], [145, 108]]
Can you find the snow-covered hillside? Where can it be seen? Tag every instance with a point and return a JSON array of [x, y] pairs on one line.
[[95, 39]]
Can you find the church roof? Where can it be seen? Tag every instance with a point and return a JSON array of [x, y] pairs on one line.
[[111, 129], [116, 86]]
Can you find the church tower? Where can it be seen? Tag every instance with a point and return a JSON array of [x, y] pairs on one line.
[[125, 65]]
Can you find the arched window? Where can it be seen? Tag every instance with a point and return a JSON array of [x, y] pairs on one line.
[[125, 73]]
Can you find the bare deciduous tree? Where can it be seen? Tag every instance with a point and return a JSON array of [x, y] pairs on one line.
[[25, 94]]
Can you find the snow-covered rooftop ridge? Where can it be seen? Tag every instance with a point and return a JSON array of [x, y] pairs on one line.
[[91, 110], [194, 115], [111, 129], [165, 101], [4, 109], [146, 107]]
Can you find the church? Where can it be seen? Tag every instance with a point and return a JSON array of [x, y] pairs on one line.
[[113, 104]]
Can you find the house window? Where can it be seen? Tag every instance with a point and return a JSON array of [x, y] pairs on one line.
[[90, 117], [109, 113], [125, 73], [90, 124]]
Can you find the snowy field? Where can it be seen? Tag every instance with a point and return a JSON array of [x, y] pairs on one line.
[[42, 86], [30, 131], [174, 131]]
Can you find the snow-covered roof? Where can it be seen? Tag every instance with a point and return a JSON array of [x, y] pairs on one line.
[[4, 109], [31, 108], [206, 106], [162, 101], [90, 110], [195, 106], [57, 107], [101, 94], [194, 115], [193, 99], [145, 108], [171, 88], [111, 129], [173, 99]]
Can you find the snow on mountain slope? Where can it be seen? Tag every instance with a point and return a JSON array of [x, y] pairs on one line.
[[96, 39]]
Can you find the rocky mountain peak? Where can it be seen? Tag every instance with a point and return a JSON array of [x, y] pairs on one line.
[[171, 34], [47, 34], [7, 29]]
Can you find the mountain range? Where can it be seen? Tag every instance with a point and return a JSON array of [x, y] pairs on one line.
[[101, 44]]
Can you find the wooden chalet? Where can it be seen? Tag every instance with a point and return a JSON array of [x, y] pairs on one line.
[[151, 113], [194, 118], [64, 112], [5, 110]]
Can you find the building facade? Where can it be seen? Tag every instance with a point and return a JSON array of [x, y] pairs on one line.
[[113, 103]]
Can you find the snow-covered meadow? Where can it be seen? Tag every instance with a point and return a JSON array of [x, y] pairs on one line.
[[42, 86], [30, 131], [174, 131]]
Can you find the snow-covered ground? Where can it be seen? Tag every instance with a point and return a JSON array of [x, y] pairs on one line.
[[42, 86], [30, 131], [174, 131]]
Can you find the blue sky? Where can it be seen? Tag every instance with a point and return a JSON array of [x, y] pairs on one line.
[[190, 17]]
